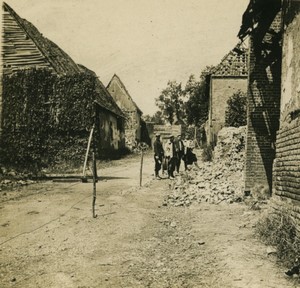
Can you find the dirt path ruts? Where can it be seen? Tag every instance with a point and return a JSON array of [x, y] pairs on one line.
[[53, 241]]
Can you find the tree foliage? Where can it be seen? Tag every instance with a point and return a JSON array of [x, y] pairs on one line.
[[236, 111], [171, 102], [197, 92], [157, 118]]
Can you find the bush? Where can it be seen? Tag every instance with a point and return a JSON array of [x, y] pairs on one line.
[[236, 111], [207, 152], [278, 229]]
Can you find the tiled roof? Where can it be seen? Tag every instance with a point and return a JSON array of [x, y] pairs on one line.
[[117, 78], [233, 64], [103, 98], [25, 47]]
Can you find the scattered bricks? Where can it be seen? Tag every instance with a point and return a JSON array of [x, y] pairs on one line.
[[214, 182]]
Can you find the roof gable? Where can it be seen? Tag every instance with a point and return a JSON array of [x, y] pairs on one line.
[[117, 79], [103, 98], [25, 47], [233, 64]]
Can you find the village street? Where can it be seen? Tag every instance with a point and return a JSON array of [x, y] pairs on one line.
[[50, 239]]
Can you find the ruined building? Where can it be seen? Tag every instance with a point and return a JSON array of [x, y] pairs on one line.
[[227, 78], [273, 140]]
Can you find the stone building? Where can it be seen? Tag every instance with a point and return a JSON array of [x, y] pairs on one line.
[[25, 49], [273, 141], [227, 78], [133, 125]]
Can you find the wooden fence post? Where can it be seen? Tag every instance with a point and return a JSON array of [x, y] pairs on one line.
[[94, 184], [141, 168]]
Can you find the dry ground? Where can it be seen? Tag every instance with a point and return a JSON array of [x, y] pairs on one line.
[[48, 237]]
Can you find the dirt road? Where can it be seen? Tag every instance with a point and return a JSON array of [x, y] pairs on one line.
[[49, 238]]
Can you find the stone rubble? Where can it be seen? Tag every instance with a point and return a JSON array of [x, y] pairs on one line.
[[219, 181]]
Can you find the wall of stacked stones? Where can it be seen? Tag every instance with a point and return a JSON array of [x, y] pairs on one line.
[[263, 114], [287, 163]]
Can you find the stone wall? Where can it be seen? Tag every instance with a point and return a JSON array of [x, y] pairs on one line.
[[263, 111], [112, 137], [129, 108], [287, 163]]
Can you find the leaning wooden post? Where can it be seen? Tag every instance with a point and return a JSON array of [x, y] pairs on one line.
[[94, 184], [87, 155], [141, 168]]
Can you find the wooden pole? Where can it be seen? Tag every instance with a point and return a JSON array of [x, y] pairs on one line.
[[94, 184], [87, 153], [141, 168], [195, 138]]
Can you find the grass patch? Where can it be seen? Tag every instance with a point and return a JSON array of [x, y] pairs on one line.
[[277, 228]]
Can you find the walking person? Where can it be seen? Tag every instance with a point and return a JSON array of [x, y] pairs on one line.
[[171, 156], [179, 150], [158, 155]]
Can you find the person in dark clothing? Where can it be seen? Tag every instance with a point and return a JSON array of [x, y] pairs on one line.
[[158, 155], [179, 150], [189, 157]]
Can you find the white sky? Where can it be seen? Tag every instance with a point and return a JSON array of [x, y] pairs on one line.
[[145, 42]]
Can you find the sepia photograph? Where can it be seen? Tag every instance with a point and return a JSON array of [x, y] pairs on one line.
[[150, 144]]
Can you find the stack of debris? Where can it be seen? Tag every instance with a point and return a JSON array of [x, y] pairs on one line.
[[219, 181]]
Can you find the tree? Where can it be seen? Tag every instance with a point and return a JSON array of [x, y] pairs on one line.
[[157, 118], [198, 95], [236, 111], [171, 102]]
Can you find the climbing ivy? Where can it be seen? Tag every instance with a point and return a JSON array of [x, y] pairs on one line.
[[46, 118]]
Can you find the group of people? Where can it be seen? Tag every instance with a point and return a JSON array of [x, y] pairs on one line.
[[170, 155]]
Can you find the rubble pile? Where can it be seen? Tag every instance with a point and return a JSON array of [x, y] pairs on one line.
[[219, 181]]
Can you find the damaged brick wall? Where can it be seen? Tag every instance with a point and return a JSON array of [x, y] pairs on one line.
[[222, 89], [263, 110], [287, 163]]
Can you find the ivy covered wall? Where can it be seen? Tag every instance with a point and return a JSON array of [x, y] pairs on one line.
[[46, 119]]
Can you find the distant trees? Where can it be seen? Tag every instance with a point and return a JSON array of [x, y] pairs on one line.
[[198, 95], [236, 111], [172, 102], [188, 104], [157, 118]]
